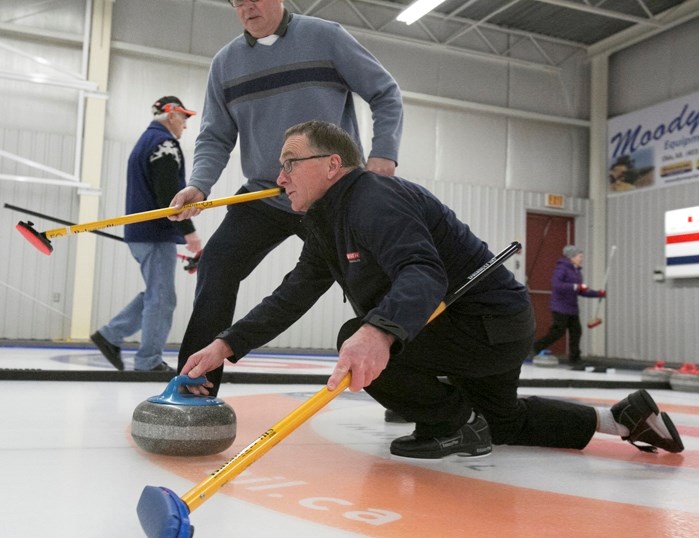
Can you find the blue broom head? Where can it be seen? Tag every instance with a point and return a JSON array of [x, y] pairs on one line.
[[163, 514]]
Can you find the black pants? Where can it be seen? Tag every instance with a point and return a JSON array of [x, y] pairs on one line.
[[561, 324], [246, 235], [481, 357]]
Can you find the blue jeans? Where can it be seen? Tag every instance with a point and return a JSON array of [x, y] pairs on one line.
[[151, 310]]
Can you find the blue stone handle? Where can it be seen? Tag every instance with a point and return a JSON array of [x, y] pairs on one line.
[[172, 394]]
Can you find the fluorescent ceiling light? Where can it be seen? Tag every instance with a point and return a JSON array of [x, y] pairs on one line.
[[417, 9]]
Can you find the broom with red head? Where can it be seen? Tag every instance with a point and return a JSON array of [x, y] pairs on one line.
[[597, 321]]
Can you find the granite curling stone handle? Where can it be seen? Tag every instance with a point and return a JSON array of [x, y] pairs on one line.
[[173, 395]]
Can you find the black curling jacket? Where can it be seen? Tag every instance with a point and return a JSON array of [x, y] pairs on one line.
[[395, 250]]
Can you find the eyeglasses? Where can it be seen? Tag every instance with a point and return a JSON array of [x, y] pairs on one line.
[[240, 3], [289, 163]]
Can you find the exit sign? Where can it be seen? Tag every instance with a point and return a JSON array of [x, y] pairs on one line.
[[555, 200]]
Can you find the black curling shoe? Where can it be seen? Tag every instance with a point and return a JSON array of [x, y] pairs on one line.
[[646, 424], [471, 440], [109, 350]]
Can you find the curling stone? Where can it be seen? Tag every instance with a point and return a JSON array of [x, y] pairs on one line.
[[686, 378], [657, 373], [183, 424], [545, 359]]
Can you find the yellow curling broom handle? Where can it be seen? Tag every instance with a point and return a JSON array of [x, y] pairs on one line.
[[160, 213], [441, 307], [246, 457], [260, 446]]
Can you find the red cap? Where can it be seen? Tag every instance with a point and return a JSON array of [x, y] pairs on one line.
[[170, 103]]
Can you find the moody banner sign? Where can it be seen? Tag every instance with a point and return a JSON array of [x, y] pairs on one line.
[[654, 147]]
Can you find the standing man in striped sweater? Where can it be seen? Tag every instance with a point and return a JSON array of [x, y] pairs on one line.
[[283, 70]]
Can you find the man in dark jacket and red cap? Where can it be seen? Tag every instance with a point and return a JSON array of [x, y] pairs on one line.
[[566, 286], [155, 173]]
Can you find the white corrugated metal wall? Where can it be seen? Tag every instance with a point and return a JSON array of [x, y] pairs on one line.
[[34, 289], [645, 319], [649, 320]]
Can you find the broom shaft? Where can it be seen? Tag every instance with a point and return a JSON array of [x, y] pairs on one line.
[[604, 287], [263, 444], [159, 213], [609, 266]]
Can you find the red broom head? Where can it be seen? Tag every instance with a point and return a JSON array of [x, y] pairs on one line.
[[38, 240]]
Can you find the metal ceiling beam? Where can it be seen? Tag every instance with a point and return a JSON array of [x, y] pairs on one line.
[[644, 7], [447, 44], [670, 18], [480, 22], [359, 14], [43, 167], [31, 9], [457, 50], [40, 78], [608, 13], [459, 9], [462, 20], [86, 187], [161, 54], [61, 38], [446, 103]]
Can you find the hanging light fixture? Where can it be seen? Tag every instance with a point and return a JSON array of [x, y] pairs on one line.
[[417, 9]]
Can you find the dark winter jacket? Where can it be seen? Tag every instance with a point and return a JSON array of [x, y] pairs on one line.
[[564, 295], [395, 250], [155, 174]]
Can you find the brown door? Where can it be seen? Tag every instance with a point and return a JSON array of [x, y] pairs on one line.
[[546, 237]]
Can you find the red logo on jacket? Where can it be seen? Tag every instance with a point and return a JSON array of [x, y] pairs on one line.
[[353, 257]]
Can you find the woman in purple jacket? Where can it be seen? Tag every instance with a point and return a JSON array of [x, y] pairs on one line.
[[567, 284]]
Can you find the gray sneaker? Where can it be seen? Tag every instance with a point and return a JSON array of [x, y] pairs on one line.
[[471, 440], [646, 424]]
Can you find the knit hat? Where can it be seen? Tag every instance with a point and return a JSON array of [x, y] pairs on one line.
[[570, 251]]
